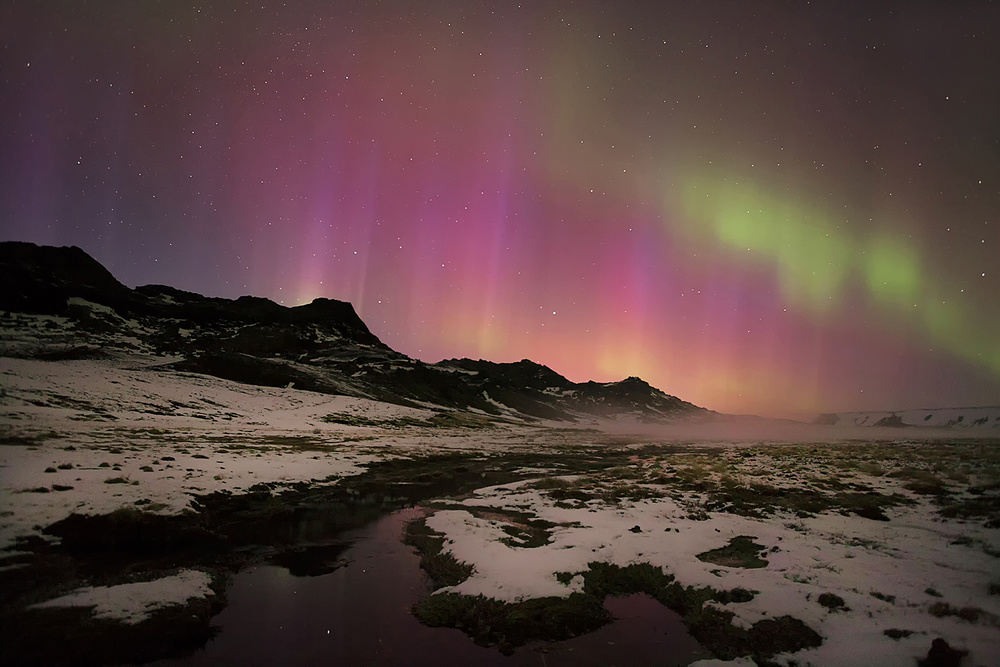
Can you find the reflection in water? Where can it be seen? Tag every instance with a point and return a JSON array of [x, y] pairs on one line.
[[359, 614]]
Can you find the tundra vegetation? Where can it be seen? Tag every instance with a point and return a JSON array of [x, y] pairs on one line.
[[576, 473]]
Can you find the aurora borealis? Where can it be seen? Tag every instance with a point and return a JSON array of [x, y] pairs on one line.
[[779, 208]]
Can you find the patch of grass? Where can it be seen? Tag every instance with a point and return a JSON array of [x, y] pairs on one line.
[[832, 601], [942, 609], [442, 568], [918, 480], [297, 442], [525, 537], [564, 578], [444, 419], [957, 476], [582, 490], [549, 483], [893, 633], [784, 634], [984, 504], [603, 579], [926, 488], [129, 530], [762, 500], [869, 505], [117, 480], [933, 593], [507, 625], [891, 599], [460, 420], [869, 468], [737, 595], [915, 474], [741, 551], [18, 440], [354, 420]]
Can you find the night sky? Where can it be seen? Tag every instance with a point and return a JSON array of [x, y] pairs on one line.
[[778, 208]]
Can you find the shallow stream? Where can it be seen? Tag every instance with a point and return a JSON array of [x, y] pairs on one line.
[[359, 614]]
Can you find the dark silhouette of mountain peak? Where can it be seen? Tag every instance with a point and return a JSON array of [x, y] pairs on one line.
[[633, 382], [320, 346], [325, 310], [39, 279], [524, 373]]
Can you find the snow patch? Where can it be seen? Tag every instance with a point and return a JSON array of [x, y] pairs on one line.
[[135, 602]]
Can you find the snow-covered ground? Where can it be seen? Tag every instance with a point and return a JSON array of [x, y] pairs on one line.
[[90, 436], [94, 435], [882, 570], [132, 603]]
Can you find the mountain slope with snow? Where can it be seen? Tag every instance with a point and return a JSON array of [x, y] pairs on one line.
[[62, 304]]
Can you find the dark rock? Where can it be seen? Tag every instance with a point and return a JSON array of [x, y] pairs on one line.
[[893, 420], [942, 655]]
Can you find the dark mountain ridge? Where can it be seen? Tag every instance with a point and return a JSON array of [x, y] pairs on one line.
[[321, 346]]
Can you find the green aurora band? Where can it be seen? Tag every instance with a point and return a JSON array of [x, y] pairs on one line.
[[816, 262]]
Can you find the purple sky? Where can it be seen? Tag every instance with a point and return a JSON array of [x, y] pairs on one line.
[[777, 208]]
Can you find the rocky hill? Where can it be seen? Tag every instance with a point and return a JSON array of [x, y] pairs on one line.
[[78, 309]]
